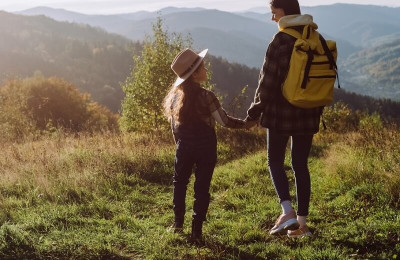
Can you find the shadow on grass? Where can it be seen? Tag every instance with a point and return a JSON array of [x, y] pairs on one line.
[[158, 175], [318, 150], [32, 254], [218, 248]]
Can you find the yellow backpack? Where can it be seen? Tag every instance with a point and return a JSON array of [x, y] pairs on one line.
[[312, 70]]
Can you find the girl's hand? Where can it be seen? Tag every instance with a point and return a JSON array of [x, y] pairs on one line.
[[250, 124]]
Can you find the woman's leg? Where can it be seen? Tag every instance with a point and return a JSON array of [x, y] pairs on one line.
[[301, 146], [276, 147], [276, 156]]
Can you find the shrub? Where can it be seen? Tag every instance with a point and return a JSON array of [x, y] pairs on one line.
[[371, 122], [44, 104], [14, 123], [340, 118]]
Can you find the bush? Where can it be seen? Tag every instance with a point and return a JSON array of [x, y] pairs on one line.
[[14, 123], [340, 118], [371, 122], [43, 104]]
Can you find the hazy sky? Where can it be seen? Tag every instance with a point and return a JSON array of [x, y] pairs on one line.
[[126, 6]]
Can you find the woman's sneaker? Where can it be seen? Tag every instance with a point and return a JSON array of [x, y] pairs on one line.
[[300, 232], [285, 222]]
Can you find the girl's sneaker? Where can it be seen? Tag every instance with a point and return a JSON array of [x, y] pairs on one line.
[[285, 222], [177, 227], [300, 232]]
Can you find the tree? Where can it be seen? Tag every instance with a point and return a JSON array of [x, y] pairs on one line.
[[150, 80]]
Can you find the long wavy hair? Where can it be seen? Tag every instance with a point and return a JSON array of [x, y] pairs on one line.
[[180, 102]]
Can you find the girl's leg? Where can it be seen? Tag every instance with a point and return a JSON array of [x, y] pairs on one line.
[[205, 165], [184, 162]]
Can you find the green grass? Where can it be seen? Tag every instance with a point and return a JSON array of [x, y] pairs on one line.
[[109, 197]]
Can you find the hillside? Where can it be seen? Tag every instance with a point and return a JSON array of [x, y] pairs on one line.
[[108, 196], [96, 61], [93, 60], [376, 70], [243, 37], [207, 26], [358, 24], [90, 58]]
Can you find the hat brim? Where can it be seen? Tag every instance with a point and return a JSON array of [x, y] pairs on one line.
[[180, 80]]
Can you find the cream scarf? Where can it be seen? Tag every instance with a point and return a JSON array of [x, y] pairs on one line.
[[296, 20]]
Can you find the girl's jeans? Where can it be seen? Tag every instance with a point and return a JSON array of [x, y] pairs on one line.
[[300, 150], [203, 155]]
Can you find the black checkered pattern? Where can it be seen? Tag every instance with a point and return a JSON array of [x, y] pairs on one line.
[[275, 111]]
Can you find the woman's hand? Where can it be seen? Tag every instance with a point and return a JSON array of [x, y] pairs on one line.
[[249, 124]]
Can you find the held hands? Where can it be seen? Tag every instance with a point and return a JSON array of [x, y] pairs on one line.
[[249, 124]]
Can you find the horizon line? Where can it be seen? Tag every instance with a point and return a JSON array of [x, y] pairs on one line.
[[177, 7]]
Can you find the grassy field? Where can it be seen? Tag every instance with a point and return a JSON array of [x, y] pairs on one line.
[[108, 196]]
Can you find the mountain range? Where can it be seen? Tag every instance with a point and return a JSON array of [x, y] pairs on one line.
[[359, 25], [243, 37], [95, 61], [77, 45]]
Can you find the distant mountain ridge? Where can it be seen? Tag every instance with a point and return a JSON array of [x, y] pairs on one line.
[[96, 61], [243, 37], [354, 20], [358, 26], [93, 60], [204, 25]]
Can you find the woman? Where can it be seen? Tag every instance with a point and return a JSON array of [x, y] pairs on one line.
[[284, 121], [193, 111]]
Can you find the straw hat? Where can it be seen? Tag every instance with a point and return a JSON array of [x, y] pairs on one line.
[[185, 63]]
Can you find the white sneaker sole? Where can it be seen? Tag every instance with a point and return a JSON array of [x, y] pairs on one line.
[[290, 224], [307, 234]]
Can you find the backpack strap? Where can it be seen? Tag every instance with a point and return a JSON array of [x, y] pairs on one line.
[[328, 52], [292, 32], [310, 56], [330, 57]]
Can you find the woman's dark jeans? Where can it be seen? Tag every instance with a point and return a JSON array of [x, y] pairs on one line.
[[203, 155], [300, 150]]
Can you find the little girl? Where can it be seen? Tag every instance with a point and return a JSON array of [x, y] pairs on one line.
[[193, 111]]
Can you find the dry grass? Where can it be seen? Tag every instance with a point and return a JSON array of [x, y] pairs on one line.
[[61, 160], [105, 196], [372, 156], [73, 161]]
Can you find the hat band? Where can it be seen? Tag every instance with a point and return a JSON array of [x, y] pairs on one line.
[[190, 67]]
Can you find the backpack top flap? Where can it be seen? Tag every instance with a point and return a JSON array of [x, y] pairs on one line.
[[310, 37]]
